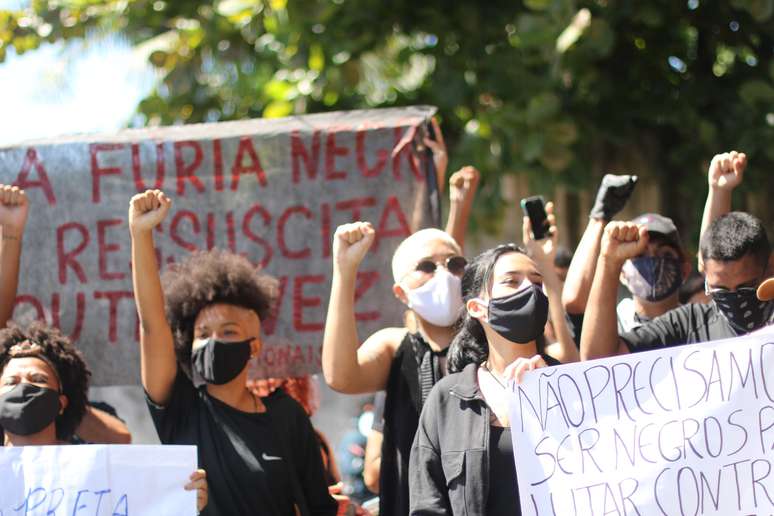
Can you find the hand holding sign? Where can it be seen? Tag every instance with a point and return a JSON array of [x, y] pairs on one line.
[[350, 245], [516, 369], [623, 240], [199, 484], [147, 210], [13, 208], [726, 170]]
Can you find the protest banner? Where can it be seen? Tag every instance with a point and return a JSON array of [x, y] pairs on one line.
[[681, 431], [97, 480], [272, 190]]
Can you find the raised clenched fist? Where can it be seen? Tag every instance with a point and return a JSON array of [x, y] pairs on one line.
[[612, 196], [14, 207], [463, 184], [726, 170], [351, 243], [623, 240], [147, 210]]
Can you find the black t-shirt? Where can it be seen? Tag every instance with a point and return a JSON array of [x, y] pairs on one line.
[[255, 463], [687, 324], [503, 497]]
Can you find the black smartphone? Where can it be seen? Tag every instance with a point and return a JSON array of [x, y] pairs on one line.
[[535, 208]]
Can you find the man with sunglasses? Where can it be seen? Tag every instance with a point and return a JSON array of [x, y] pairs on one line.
[[406, 363], [737, 258]]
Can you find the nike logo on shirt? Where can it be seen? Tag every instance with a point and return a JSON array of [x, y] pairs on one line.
[[270, 457]]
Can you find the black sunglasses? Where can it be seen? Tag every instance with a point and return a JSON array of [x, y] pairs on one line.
[[454, 264]]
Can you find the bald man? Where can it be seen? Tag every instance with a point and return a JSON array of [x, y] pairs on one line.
[[426, 269]]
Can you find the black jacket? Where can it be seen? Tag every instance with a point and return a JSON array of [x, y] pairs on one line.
[[449, 467]]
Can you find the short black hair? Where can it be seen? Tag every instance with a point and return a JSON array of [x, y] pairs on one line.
[[734, 236], [206, 278], [69, 364]]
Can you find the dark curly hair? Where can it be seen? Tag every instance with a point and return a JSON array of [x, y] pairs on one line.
[[206, 278], [470, 344], [68, 362]]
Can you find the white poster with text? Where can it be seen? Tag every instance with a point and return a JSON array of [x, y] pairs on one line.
[[687, 430]]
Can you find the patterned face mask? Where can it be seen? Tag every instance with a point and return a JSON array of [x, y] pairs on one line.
[[653, 278], [741, 308]]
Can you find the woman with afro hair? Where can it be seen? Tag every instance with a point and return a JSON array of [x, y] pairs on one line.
[[197, 334]]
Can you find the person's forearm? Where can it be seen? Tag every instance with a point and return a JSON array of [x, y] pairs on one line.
[[567, 351], [600, 325], [340, 340], [718, 203], [10, 257], [373, 461], [99, 427], [580, 275], [158, 364], [457, 223]]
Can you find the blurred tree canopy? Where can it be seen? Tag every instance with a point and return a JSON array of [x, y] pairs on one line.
[[561, 91]]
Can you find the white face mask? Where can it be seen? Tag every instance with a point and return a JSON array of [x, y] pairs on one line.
[[439, 300]]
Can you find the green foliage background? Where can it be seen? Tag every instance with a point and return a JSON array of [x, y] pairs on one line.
[[559, 90]]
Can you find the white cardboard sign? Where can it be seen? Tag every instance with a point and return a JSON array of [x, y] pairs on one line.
[[682, 431], [96, 480]]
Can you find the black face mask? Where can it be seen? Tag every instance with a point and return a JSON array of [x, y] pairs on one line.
[[219, 362], [742, 308], [27, 409], [520, 317]]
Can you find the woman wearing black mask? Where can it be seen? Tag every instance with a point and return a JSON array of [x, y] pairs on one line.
[[462, 459], [261, 454], [44, 383]]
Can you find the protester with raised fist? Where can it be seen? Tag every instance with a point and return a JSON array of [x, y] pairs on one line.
[[196, 338], [426, 268], [407, 362], [737, 258], [464, 432], [725, 173], [613, 193], [462, 190], [653, 277], [13, 217]]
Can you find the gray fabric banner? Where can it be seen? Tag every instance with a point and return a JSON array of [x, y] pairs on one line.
[[273, 190]]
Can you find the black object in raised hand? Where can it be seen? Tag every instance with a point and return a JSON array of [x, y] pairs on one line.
[[612, 196]]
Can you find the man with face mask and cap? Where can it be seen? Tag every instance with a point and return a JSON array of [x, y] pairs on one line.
[[737, 258], [654, 277]]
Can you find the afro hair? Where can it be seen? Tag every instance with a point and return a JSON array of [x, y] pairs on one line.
[[206, 278], [69, 364]]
